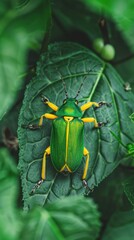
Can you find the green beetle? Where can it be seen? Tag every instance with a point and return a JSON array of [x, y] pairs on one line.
[[67, 136]]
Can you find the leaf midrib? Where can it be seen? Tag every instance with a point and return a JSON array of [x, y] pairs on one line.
[[46, 217]]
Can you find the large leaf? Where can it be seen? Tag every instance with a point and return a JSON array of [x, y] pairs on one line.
[[9, 222], [72, 218], [120, 227], [19, 29], [73, 62]]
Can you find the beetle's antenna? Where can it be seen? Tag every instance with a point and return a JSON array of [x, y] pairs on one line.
[[79, 89], [65, 88], [82, 84], [64, 85]]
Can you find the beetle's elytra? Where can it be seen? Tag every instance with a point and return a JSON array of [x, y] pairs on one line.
[[67, 136]]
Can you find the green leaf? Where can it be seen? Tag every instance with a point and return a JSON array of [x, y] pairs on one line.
[[120, 11], [120, 227], [74, 21], [72, 218], [103, 197], [9, 223], [130, 149], [132, 117], [73, 62], [128, 185], [70, 17], [10, 121], [19, 28]]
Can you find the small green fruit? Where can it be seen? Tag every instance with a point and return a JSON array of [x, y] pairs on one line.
[[108, 52], [98, 44]]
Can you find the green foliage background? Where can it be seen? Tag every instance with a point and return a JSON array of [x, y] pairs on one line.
[[27, 27]]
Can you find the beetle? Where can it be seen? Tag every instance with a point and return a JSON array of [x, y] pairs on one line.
[[67, 136]]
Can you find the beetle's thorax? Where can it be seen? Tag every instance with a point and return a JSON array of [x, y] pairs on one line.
[[69, 108], [68, 119]]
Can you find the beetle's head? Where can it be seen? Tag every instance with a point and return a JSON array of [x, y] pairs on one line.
[[69, 108], [70, 105]]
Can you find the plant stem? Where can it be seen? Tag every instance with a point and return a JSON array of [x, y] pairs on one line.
[[129, 57], [104, 30]]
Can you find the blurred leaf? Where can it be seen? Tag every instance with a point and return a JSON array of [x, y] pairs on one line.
[[120, 11], [73, 62], [9, 223], [132, 117], [120, 227], [10, 120], [21, 3], [74, 21], [130, 149], [19, 28], [72, 218], [110, 193], [128, 185], [73, 16]]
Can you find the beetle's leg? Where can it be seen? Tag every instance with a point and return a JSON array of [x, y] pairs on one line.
[[88, 105], [50, 104], [48, 116], [43, 170], [30, 126], [37, 126], [88, 190], [102, 103], [96, 124], [85, 153], [97, 105], [91, 120]]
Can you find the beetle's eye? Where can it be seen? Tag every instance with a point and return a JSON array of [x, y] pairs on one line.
[[76, 101], [64, 101]]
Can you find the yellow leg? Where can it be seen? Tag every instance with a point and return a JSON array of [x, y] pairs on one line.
[[52, 106], [88, 105], [90, 120], [86, 153], [43, 170], [48, 116]]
